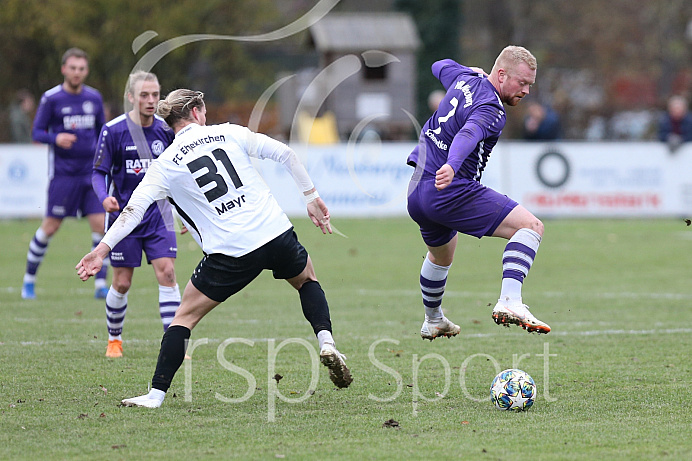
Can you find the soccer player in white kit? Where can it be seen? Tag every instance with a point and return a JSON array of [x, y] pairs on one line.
[[207, 174]]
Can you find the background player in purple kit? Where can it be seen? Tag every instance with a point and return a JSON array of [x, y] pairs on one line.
[[68, 119], [446, 196], [126, 147]]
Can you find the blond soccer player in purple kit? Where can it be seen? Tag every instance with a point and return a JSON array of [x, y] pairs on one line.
[[126, 147], [445, 194], [68, 119]]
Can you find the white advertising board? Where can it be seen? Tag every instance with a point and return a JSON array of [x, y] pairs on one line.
[[354, 180], [582, 179], [564, 179], [23, 180]]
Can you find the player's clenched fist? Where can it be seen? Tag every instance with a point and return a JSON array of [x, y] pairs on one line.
[[444, 176]]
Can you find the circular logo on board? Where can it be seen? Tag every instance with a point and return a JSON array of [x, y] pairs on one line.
[[552, 169]]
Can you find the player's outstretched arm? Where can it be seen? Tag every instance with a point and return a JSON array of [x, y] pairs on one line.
[[92, 262]]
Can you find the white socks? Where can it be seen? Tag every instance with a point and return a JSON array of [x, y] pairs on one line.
[[517, 259], [169, 301], [433, 279], [324, 336], [156, 394], [116, 307]]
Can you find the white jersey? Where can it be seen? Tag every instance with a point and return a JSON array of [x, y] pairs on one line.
[[208, 176]]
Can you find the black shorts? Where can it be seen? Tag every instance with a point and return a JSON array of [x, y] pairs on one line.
[[219, 276]]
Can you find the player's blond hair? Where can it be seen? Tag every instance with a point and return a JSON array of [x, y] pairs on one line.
[[139, 76], [178, 105], [512, 56]]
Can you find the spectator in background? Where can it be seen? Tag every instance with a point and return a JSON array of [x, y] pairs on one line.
[[107, 111], [675, 125], [21, 116], [434, 99], [541, 123]]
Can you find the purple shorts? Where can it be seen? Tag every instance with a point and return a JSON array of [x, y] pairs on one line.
[[72, 196], [151, 236], [464, 206]]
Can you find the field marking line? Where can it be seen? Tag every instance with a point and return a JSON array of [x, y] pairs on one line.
[[549, 294], [448, 293], [664, 331]]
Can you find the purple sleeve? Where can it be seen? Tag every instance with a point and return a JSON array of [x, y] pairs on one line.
[[447, 71], [477, 127], [98, 182], [103, 159], [463, 144], [439, 65], [102, 165], [39, 132]]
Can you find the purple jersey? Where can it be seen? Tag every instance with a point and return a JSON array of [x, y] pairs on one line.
[[470, 99], [80, 114], [125, 162]]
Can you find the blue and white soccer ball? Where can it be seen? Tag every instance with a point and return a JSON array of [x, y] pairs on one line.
[[513, 389]]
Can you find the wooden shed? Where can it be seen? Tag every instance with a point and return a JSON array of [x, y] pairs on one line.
[[366, 75]]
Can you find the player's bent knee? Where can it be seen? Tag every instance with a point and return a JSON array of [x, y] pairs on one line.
[[304, 277], [168, 277], [537, 226], [122, 287], [165, 271]]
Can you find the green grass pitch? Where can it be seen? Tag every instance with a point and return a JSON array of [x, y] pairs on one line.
[[613, 376]]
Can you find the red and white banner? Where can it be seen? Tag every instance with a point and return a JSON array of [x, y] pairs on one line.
[[580, 179]]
